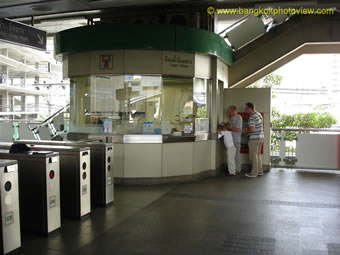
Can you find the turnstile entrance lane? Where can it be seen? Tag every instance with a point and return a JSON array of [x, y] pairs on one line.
[[10, 213], [39, 190], [75, 174], [75, 177], [102, 179]]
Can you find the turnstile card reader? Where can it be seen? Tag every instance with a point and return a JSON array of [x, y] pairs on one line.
[[10, 213], [102, 179], [75, 174], [39, 190]]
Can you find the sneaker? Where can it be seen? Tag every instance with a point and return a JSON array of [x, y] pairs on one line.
[[250, 176], [260, 174]]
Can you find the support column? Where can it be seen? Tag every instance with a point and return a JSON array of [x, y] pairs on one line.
[[23, 78], [5, 101], [23, 106], [218, 156], [3, 74], [214, 86], [36, 103]]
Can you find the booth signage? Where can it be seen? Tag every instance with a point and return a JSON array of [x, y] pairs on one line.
[[148, 127], [166, 127], [178, 63], [187, 129], [22, 34], [107, 126], [106, 62], [202, 125]]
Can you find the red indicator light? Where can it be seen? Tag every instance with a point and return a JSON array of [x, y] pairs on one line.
[[52, 174]]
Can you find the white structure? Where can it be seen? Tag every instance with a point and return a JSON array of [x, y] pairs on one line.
[[31, 83]]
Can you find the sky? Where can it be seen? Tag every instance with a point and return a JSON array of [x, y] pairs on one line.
[[307, 73], [311, 71]]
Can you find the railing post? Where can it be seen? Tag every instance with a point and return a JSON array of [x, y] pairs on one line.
[[282, 154]]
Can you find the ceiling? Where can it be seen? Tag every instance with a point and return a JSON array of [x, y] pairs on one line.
[[26, 8]]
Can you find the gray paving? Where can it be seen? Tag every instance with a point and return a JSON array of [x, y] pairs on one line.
[[283, 212]]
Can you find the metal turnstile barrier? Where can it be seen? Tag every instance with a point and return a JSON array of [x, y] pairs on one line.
[[75, 177], [10, 213], [39, 186], [102, 179]]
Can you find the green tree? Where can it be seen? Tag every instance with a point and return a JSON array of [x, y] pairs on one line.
[[298, 120], [302, 120], [269, 81]]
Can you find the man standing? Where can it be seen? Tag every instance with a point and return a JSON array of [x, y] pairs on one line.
[[236, 131], [256, 135]]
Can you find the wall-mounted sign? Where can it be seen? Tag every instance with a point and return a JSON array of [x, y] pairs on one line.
[[201, 125], [106, 62], [187, 129], [107, 126], [166, 127], [176, 63], [22, 34], [148, 127]]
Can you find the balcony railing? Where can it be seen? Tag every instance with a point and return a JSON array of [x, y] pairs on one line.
[[305, 148]]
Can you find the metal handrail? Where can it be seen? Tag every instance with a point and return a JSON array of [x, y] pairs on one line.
[[20, 121], [306, 129], [54, 115]]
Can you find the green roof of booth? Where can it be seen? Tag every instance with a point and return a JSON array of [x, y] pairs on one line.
[[142, 36]]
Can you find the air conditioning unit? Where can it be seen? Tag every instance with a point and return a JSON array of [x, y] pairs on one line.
[[144, 20], [131, 20], [115, 20], [184, 19]]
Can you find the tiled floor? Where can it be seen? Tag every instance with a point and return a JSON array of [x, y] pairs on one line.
[[283, 212]]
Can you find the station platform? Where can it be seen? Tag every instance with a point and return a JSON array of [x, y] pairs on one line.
[[286, 211]]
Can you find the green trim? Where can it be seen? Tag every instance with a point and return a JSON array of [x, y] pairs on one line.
[[142, 36]]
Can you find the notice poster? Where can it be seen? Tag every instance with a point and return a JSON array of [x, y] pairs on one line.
[[166, 127], [148, 127], [107, 126], [187, 129]]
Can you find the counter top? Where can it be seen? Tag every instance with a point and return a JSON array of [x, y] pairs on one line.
[[141, 138]]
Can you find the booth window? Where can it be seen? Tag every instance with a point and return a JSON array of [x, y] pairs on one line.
[[128, 101]]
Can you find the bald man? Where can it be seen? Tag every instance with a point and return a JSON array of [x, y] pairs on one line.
[[236, 130]]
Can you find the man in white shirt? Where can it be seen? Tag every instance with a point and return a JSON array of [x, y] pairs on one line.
[[229, 145]]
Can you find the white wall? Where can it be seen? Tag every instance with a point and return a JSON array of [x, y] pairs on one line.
[[262, 100], [202, 66], [318, 151], [163, 160]]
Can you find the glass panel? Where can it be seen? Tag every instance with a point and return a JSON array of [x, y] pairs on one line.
[[136, 103], [201, 104], [200, 98], [127, 101], [80, 106], [143, 103], [177, 102]]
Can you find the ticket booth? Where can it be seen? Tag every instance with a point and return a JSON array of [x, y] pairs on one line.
[[158, 97]]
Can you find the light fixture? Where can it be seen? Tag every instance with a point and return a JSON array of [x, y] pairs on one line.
[[286, 4], [41, 8], [244, 31]]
